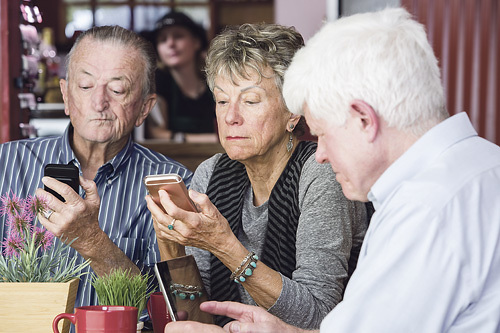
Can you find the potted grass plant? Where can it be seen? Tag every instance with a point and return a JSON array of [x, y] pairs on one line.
[[121, 287], [34, 286]]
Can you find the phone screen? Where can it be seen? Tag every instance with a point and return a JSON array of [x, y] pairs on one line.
[[66, 173], [164, 280]]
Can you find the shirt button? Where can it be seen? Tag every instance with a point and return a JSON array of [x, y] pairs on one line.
[[109, 181]]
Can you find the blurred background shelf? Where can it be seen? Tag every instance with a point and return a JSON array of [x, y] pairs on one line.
[[188, 153]]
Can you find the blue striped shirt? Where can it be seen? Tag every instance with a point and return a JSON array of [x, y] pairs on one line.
[[123, 213]]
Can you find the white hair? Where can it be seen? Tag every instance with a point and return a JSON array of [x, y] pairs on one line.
[[382, 58]]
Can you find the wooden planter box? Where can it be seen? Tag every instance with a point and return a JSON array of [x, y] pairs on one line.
[[31, 307]]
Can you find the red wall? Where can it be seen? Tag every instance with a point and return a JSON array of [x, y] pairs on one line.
[[465, 35]]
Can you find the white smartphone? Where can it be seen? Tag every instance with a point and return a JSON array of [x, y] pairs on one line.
[[175, 187], [164, 280]]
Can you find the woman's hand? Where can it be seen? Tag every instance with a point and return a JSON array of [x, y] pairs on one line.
[[210, 231], [207, 229]]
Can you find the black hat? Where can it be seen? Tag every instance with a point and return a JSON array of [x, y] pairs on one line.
[[180, 19]]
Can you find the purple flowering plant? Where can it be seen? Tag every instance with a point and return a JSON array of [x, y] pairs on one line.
[[29, 252]]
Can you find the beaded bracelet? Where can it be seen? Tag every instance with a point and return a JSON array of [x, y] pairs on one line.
[[246, 268], [184, 291], [243, 262]]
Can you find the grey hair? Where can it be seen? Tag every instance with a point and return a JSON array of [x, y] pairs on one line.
[[117, 35], [257, 47], [252, 46]]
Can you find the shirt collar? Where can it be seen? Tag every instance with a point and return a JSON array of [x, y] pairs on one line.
[[122, 156], [67, 154], [421, 153]]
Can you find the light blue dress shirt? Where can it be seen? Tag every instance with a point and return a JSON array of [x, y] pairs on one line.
[[123, 214], [430, 261]]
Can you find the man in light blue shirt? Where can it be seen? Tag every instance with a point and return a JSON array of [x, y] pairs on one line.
[[108, 91], [370, 89]]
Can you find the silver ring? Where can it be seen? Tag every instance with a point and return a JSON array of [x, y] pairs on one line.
[[171, 225], [47, 213]]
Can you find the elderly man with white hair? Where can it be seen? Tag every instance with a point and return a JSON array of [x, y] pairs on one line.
[[370, 89]]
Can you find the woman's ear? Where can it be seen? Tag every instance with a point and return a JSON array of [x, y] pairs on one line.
[[292, 122], [366, 117]]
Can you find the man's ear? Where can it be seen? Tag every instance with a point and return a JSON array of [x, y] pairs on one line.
[[367, 118], [63, 85], [147, 106]]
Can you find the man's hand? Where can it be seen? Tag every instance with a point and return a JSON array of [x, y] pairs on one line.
[[249, 319], [75, 218], [79, 218]]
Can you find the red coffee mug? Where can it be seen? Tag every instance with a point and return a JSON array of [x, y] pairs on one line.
[[101, 318], [157, 309]]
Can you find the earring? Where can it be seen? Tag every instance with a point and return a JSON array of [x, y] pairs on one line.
[[292, 126], [289, 145]]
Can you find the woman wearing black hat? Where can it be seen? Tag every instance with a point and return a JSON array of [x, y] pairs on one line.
[[186, 104]]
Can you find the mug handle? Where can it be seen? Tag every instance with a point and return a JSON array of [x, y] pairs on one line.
[[70, 316]]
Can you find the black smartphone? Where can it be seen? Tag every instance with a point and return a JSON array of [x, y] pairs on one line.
[[66, 173], [164, 280]]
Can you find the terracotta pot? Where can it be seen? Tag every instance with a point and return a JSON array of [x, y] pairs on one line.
[[31, 307]]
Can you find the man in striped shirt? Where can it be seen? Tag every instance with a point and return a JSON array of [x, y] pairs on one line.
[[109, 89]]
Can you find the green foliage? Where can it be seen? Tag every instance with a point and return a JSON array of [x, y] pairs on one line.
[[29, 252], [123, 288], [31, 266]]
